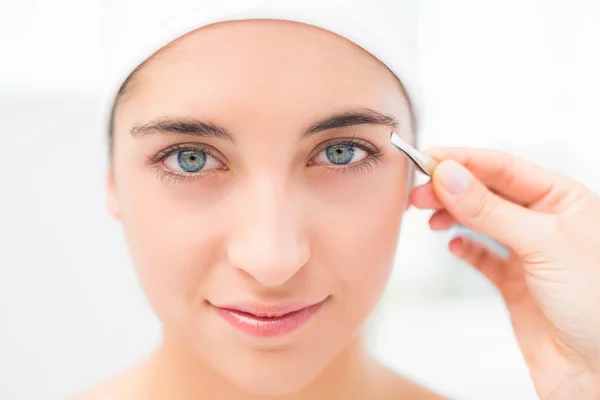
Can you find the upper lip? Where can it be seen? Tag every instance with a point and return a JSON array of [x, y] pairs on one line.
[[268, 310]]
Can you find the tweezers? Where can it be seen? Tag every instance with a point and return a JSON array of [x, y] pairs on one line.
[[424, 162], [427, 164]]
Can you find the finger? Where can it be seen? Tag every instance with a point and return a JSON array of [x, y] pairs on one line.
[[508, 277], [510, 176], [504, 273], [476, 207], [441, 220], [424, 197], [479, 257]]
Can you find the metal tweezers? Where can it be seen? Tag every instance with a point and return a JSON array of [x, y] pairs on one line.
[[427, 164], [424, 162]]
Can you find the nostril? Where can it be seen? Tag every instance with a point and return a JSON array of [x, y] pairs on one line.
[[270, 264]]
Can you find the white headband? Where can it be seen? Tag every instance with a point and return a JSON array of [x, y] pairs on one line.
[[385, 28]]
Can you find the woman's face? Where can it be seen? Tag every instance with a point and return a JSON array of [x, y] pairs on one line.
[[252, 169]]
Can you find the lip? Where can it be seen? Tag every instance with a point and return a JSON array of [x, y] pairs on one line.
[[268, 321]]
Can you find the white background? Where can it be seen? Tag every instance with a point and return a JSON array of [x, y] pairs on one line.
[[519, 75]]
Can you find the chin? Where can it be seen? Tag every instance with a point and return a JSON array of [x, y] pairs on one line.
[[272, 374]]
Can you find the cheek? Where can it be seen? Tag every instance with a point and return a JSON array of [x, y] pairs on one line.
[[172, 241], [359, 234], [176, 232]]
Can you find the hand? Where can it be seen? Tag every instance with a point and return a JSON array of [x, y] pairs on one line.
[[550, 282]]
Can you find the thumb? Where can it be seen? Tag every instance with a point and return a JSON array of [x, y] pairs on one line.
[[475, 206]]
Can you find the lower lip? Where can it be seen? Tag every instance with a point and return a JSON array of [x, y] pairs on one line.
[[269, 327]]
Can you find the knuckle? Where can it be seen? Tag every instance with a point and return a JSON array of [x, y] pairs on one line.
[[486, 206], [510, 171], [558, 224]]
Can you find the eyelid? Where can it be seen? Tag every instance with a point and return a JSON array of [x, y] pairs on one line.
[[374, 153], [163, 154], [353, 141], [370, 148]]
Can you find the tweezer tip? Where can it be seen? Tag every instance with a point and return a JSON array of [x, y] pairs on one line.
[[423, 162]]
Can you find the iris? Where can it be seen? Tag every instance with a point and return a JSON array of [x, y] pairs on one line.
[[340, 153], [191, 160]]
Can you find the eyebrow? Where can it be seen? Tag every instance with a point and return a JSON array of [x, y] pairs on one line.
[[194, 127], [351, 118], [182, 126]]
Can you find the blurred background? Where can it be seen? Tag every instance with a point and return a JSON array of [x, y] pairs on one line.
[[517, 75]]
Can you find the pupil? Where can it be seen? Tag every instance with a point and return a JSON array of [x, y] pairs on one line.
[[192, 161], [341, 154]]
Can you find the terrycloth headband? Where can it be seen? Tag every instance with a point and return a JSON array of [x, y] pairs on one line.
[[385, 28]]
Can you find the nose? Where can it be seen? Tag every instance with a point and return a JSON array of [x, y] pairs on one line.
[[267, 240]]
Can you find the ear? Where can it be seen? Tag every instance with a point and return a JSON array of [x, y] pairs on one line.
[[112, 202]]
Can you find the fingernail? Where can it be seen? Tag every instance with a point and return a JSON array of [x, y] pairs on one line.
[[454, 177]]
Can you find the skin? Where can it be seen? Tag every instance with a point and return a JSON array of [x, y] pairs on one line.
[[273, 221], [549, 282], [547, 221]]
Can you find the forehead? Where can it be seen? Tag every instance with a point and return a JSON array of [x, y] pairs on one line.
[[263, 69]]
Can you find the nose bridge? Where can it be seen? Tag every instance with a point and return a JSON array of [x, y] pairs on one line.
[[267, 239]]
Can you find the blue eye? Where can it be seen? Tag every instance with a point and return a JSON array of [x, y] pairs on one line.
[[341, 154], [191, 161]]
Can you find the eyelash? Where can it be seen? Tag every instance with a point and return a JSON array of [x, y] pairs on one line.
[[172, 177], [374, 154]]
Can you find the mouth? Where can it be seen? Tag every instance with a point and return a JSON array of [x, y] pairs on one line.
[[268, 321]]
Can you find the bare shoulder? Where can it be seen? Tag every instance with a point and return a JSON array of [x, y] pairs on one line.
[[407, 389], [123, 386], [399, 387]]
